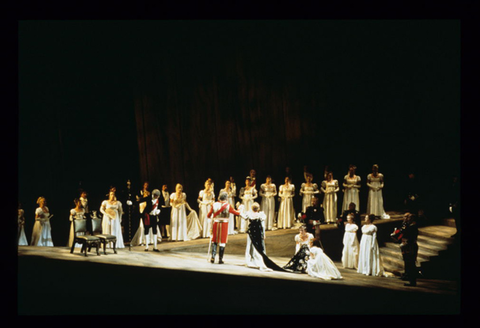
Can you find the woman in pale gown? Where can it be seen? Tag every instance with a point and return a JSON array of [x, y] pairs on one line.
[[183, 227], [247, 194], [77, 213], [255, 252], [319, 265], [303, 242], [369, 260], [351, 183], [231, 200], [268, 191], [22, 238], [42, 231], [375, 198], [330, 189], [112, 218], [206, 198], [307, 190], [350, 244], [286, 211]]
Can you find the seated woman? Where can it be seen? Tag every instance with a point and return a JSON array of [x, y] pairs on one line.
[[320, 265], [255, 256], [298, 263]]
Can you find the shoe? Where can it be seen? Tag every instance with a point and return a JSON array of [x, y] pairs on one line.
[[146, 250], [212, 260], [220, 262], [156, 250]]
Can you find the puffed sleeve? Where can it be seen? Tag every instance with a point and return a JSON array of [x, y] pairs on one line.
[[242, 192], [323, 188], [120, 210], [103, 207], [262, 190], [315, 188], [358, 182], [72, 214], [336, 186], [254, 193], [369, 181], [38, 214], [381, 180], [302, 187], [345, 179]]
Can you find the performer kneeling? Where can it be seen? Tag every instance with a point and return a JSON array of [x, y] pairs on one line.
[[150, 217], [220, 214]]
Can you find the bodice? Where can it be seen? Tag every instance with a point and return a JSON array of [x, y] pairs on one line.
[[351, 227], [369, 229]]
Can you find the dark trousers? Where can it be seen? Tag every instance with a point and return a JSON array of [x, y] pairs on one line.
[[153, 224], [409, 258]]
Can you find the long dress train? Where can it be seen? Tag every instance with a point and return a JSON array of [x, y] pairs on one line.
[[319, 265]]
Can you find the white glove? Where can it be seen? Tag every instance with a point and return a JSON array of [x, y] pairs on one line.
[[129, 202]]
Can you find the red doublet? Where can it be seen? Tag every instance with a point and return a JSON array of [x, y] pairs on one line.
[[220, 222]]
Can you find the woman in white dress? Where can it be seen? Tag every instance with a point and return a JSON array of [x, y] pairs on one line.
[[183, 228], [303, 242], [206, 198], [112, 218], [369, 260], [319, 265], [351, 183], [42, 231], [350, 244], [307, 190], [77, 213], [330, 189], [286, 211], [375, 198], [247, 194], [22, 238], [231, 200], [268, 191]]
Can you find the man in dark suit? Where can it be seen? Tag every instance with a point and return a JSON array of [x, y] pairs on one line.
[[150, 217], [409, 248], [314, 216]]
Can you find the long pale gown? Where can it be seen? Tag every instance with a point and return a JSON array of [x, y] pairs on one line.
[[350, 246], [319, 265], [112, 220], [205, 202], [74, 215], [268, 193], [375, 197], [307, 193], [42, 231], [330, 188], [369, 260], [178, 219], [352, 192], [231, 217], [286, 211], [22, 238], [247, 197]]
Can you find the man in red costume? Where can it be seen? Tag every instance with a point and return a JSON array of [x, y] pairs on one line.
[[219, 212]]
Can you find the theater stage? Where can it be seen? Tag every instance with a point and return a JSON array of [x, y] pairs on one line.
[[180, 280]]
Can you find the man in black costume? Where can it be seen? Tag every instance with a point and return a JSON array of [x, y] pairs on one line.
[[409, 248], [314, 216], [150, 217]]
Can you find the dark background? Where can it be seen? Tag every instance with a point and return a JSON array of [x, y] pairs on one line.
[[180, 101]]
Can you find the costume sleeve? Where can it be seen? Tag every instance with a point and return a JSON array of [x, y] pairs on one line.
[[381, 180], [230, 210], [369, 181], [72, 213], [336, 186], [323, 188], [274, 190], [302, 187], [254, 193], [345, 184], [210, 212], [315, 188], [242, 192], [262, 190], [357, 184], [103, 208]]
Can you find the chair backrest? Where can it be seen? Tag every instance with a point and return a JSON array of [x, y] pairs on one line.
[[80, 225], [96, 226]]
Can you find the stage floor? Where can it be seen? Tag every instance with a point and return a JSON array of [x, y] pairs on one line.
[[179, 280]]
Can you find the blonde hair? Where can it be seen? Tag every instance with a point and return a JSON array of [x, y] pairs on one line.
[[39, 199], [255, 206], [178, 196]]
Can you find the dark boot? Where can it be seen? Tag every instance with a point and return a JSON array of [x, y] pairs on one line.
[[214, 252], [220, 255]]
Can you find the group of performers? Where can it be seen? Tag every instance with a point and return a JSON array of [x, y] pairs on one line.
[[163, 216]]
